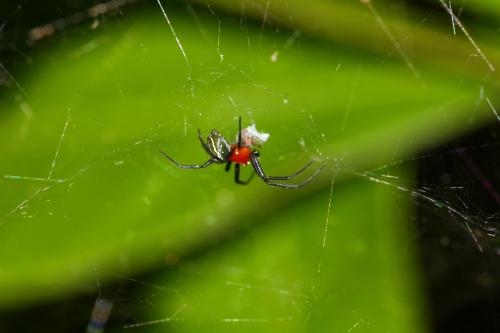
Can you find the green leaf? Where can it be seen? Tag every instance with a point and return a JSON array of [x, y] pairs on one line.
[[279, 277], [391, 31]]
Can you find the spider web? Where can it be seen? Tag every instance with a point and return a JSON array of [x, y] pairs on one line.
[[466, 198]]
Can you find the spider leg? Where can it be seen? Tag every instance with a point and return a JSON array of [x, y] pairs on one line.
[[293, 175], [228, 166], [237, 176], [203, 143], [270, 180], [187, 166], [239, 132]]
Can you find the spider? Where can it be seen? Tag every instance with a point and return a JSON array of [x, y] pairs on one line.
[[220, 151]]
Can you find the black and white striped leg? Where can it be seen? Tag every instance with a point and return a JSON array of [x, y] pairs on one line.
[[293, 175], [270, 180], [187, 166], [203, 143], [237, 176], [239, 132]]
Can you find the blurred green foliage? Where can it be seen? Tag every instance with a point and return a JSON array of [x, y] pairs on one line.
[[226, 251]]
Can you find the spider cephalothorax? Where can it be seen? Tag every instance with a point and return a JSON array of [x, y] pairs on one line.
[[241, 153]]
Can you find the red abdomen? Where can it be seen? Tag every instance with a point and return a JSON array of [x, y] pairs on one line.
[[240, 155]]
